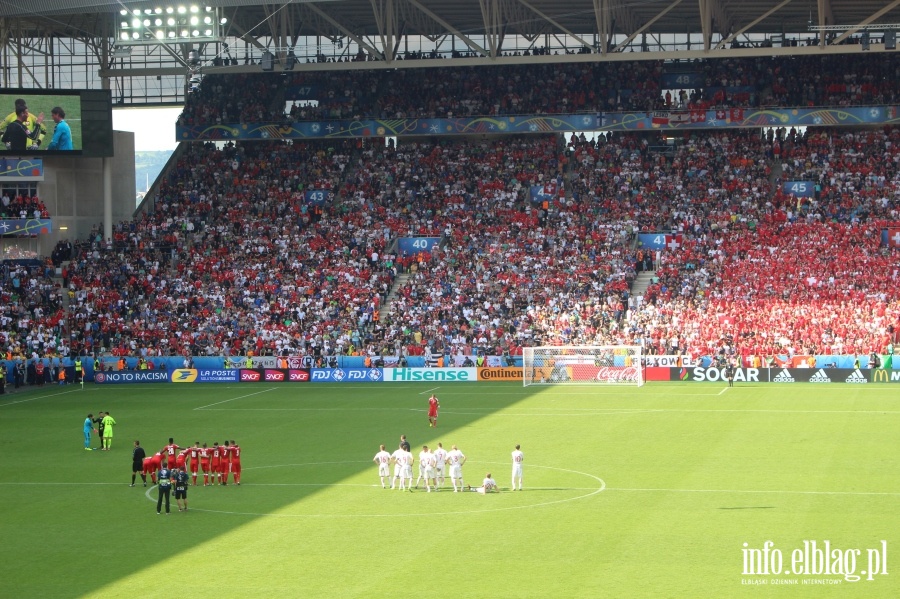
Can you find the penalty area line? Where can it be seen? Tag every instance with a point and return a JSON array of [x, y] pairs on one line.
[[42, 397], [234, 398]]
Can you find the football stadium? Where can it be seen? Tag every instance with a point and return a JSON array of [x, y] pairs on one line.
[[506, 298]]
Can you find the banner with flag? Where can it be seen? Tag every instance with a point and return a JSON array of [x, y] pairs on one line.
[[673, 242], [737, 114], [542, 193], [698, 116], [894, 238], [660, 241], [890, 238], [660, 118]]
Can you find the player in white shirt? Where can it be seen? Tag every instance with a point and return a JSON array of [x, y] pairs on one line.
[[456, 458], [406, 472], [399, 459], [421, 465], [427, 461], [517, 458], [383, 459], [488, 485], [423, 455], [440, 458]]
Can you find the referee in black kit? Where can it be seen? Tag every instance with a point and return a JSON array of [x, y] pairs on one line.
[[137, 462]]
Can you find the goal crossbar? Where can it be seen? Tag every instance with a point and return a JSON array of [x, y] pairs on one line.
[[582, 365]]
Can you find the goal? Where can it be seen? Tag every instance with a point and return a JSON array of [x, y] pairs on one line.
[[582, 365]]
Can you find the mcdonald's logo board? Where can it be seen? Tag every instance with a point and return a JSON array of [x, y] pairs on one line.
[[880, 375]]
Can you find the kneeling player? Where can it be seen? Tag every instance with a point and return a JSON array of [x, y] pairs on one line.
[[488, 485]]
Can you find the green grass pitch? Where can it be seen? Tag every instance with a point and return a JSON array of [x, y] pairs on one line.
[[629, 492]]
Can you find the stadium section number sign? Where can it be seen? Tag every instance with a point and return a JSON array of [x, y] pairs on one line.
[[416, 245], [682, 80], [318, 197], [800, 189]]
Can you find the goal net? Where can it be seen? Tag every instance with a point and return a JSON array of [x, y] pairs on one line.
[[582, 365]]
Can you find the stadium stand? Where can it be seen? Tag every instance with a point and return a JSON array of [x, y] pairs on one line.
[[232, 259], [841, 80], [22, 206]]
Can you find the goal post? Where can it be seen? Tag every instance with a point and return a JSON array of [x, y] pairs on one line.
[[582, 365]]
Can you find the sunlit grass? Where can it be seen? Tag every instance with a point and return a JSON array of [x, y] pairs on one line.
[[646, 492]]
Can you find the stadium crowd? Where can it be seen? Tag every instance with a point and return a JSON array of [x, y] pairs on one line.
[[835, 80], [288, 248], [21, 206], [235, 261]]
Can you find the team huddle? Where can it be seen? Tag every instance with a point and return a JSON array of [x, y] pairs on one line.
[[434, 466], [170, 466], [216, 462]]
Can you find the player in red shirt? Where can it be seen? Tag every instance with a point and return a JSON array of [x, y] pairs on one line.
[[216, 462], [181, 458], [433, 405], [151, 465], [169, 452], [194, 455], [236, 462], [205, 456], [225, 463]]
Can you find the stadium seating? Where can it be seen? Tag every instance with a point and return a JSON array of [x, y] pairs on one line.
[[240, 255], [447, 92], [234, 261], [22, 207]]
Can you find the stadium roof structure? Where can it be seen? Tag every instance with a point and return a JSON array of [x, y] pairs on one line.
[[77, 43]]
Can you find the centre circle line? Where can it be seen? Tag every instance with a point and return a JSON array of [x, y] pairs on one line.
[[593, 491]]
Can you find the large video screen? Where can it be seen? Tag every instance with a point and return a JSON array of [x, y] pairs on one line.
[[86, 113]]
